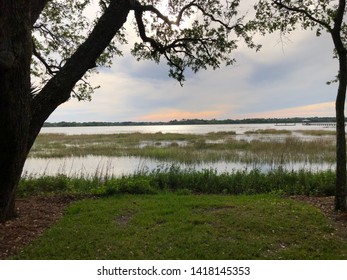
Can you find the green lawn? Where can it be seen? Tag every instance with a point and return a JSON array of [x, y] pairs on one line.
[[172, 226]]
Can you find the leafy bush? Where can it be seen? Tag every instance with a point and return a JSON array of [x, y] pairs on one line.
[[43, 185], [125, 185]]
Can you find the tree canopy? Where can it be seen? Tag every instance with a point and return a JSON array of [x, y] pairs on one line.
[[186, 34], [286, 16]]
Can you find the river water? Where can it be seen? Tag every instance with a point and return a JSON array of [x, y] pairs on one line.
[[240, 129], [118, 166]]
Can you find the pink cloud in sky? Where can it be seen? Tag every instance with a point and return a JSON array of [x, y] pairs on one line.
[[314, 110], [172, 114]]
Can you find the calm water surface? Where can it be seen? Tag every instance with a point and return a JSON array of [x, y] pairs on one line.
[[118, 166], [184, 129]]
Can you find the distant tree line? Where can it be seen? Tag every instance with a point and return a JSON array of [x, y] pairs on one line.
[[196, 122]]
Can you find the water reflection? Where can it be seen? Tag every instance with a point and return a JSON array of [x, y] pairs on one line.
[[163, 144], [90, 166], [183, 129]]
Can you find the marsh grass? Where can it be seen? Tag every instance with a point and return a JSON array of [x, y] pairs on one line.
[[269, 131], [172, 226], [197, 148], [176, 179], [317, 132]]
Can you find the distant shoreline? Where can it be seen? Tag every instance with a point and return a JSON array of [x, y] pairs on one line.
[[195, 122]]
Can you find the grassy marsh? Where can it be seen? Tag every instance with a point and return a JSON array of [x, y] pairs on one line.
[[187, 148], [269, 131], [318, 132]]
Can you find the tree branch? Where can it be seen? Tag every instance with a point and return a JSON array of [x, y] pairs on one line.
[[43, 61], [36, 8], [58, 88], [139, 9], [213, 18], [338, 20], [142, 31], [137, 6], [280, 4], [336, 33], [151, 8]]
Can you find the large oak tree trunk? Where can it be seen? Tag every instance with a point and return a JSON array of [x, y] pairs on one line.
[[21, 114], [15, 56]]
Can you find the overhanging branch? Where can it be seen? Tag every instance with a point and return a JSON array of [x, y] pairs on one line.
[[142, 31], [137, 6], [304, 12], [139, 9], [48, 67]]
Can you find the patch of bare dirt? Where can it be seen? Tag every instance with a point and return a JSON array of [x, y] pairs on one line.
[[124, 219], [326, 205], [35, 215]]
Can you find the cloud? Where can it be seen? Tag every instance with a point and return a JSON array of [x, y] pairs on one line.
[[172, 114], [313, 110], [286, 78]]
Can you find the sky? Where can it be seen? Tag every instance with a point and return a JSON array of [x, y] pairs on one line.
[[286, 78]]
